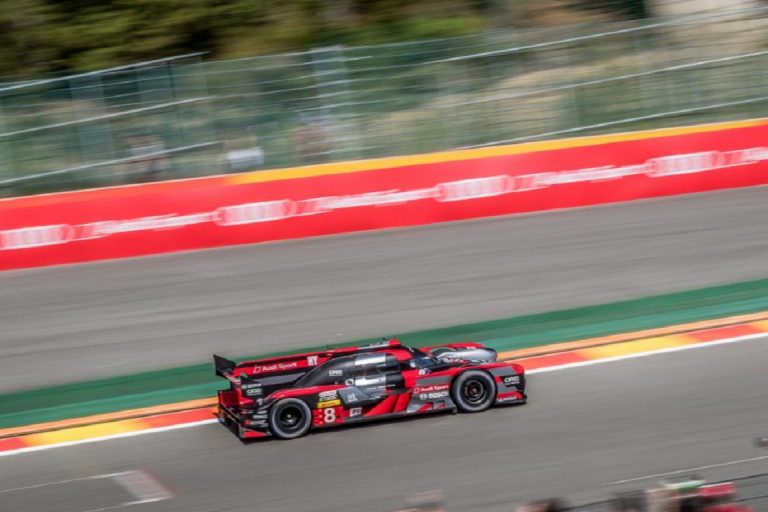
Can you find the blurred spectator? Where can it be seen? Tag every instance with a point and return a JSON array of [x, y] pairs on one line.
[[631, 501], [312, 140], [148, 159], [243, 154], [248, 159], [550, 505]]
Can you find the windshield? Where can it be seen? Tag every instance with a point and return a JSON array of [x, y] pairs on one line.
[[424, 360]]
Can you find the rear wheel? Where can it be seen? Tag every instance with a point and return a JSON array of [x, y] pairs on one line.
[[289, 418], [473, 391]]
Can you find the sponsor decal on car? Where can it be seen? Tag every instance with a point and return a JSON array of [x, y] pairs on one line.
[[251, 389], [277, 367], [351, 397], [439, 395], [355, 411], [328, 395], [431, 388], [312, 360], [511, 380], [335, 373], [328, 403]]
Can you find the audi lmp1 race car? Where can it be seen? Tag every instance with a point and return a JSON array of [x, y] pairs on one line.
[[286, 396]]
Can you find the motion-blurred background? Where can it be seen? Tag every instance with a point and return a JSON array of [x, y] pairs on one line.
[[99, 93]]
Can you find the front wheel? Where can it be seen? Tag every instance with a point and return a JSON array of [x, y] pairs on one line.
[[289, 418], [473, 391]]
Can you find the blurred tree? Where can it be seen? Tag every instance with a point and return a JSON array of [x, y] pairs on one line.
[[97, 33], [24, 47], [69, 35], [621, 8]]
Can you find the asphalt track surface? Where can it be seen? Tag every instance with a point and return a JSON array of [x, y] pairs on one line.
[[583, 428], [102, 319]]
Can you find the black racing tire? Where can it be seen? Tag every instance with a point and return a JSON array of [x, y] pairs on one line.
[[289, 418], [473, 391]]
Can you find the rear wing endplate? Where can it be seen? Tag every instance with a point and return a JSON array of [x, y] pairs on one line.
[[224, 367]]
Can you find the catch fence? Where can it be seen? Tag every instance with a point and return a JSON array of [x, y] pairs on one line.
[[185, 117]]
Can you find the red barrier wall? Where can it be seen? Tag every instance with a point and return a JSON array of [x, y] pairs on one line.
[[275, 205]]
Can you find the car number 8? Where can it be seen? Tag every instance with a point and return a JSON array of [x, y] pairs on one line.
[[329, 415]]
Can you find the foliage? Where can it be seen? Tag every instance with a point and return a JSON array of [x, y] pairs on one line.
[[629, 8], [70, 35]]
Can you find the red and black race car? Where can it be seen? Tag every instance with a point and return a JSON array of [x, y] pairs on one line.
[[286, 396]]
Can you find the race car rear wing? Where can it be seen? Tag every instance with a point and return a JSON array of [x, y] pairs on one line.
[[246, 385], [291, 363], [224, 367]]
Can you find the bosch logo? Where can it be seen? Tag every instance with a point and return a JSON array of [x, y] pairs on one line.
[[433, 396]]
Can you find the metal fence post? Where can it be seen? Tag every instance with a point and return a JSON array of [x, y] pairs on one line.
[[6, 163], [335, 99], [196, 123], [87, 95]]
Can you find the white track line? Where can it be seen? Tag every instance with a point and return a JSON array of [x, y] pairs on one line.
[[140, 485], [107, 438], [534, 371], [688, 470], [702, 344]]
